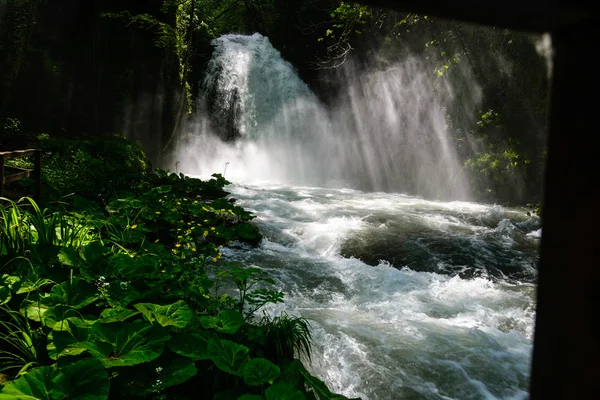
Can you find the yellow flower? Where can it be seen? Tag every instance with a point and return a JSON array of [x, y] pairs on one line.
[[205, 233], [156, 241], [179, 237], [133, 226], [188, 231], [195, 201], [204, 208], [212, 228], [178, 245], [174, 251], [214, 260], [205, 220], [230, 211], [157, 213], [184, 199], [193, 249], [178, 203]]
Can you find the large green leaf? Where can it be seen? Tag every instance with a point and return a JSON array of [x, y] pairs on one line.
[[38, 383], [65, 342], [292, 375], [116, 315], [77, 294], [228, 321], [81, 380], [281, 391], [260, 371], [319, 387], [85, 380], [69, 256], [178, 314], [34, 310], [8, 284], [95, 261], [125, 343], [228, 356], [192, 345], [29, 286], [58, 314], [163, 189]]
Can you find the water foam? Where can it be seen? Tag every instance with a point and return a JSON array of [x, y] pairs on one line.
[[383, 331]]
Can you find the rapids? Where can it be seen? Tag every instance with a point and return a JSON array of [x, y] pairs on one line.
[[407, 298], [451, 318]]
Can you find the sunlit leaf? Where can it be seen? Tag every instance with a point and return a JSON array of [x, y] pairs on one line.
[[228, 356], [75, 295], [125, 343], [81, 380], [260, 371], [228, 321], [192, 345], [178, 314]]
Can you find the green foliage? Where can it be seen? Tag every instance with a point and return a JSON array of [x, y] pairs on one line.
[[18, 352], [260, 371], [84, 380], [94, 168], [346, 22], [127, 293], [503, 165]]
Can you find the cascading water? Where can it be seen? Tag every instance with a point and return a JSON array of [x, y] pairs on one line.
[[440, 325], [407, 298], [386, 133]]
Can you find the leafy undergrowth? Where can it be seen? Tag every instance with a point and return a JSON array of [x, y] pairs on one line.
[[126, 300]]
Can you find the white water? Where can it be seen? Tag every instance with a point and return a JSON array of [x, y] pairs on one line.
[[438, 330], [408, 298], [386, 132]]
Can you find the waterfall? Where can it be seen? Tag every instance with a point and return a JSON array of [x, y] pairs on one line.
[[386, 132]]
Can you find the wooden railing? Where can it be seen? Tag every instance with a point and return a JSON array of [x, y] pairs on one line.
[[10, 174]]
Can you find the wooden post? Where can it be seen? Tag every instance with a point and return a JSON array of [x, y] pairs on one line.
[[1, 174], [37, 176]]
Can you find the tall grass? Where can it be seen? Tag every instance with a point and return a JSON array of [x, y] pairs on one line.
[[23, 224], [17, 344], [289, 335], [13, 233]]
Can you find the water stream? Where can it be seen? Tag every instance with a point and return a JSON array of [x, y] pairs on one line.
[[408, 298], [446, 312]]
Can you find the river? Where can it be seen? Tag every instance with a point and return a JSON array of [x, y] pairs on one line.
[[407, 298]]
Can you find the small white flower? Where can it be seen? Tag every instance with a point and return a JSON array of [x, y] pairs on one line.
[[159, 369]]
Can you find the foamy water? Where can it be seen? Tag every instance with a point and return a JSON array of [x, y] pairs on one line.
[[407, 298]]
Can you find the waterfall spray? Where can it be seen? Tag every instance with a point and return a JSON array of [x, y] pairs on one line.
[[388, 132]]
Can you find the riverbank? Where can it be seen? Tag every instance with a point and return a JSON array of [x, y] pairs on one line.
[[122, 275]]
